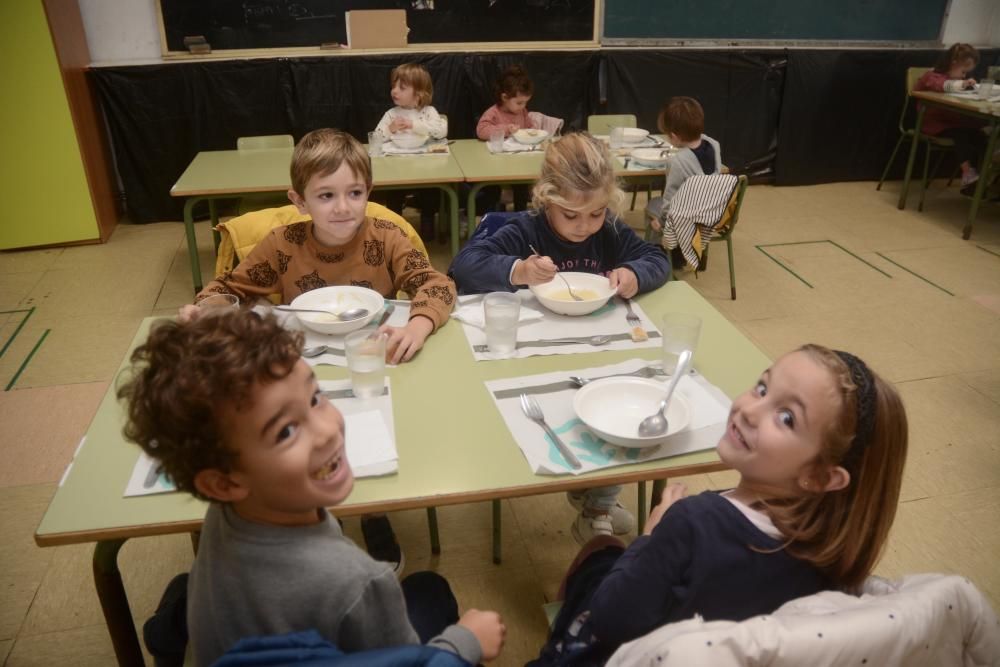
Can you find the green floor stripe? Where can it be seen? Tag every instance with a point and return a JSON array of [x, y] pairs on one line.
[[775, 260], [17, 330], [988, 250], [24, 364], [914, 273], [775, 245], [859, 259]]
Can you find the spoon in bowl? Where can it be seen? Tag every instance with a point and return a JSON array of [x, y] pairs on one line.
[[568, 287], [343, 316], [657, 424]]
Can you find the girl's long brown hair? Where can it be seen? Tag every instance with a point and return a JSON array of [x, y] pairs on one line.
[[956, 53], [843, 533]]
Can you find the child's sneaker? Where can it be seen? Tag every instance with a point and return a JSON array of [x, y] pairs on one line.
[[381, 542], [586, 528], [969, 181], [622, 521]]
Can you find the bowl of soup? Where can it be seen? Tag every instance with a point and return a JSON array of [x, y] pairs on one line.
[[337, 299], [530, 136], [594, 290], [408, 139]]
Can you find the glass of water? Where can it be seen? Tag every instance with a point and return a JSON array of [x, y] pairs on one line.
[[501, 311], [680, 332], [495, 142], [366, 362], [374, 144]]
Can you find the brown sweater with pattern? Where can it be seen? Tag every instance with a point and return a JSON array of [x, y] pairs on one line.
[[290, 261]]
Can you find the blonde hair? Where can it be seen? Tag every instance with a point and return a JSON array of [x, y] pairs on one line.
[[577, 163], [321, 152], [843, 532], [416, 77]]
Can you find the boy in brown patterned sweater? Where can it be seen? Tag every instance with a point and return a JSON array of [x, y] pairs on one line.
[[331, 179]]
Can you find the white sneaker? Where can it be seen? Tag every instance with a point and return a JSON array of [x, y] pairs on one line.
[[586, 528], [622, 521], [971, 177]]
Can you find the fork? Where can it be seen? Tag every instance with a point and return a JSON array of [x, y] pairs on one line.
[[533, 411], [632, 318], [568, 287]]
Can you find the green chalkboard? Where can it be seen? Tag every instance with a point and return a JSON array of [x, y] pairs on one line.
[[774, 20]]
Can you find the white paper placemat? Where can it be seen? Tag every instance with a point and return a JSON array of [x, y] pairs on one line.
[[554, 393], [371, 440], [336, 356], [433, 148], [534, 338], [512, 145]]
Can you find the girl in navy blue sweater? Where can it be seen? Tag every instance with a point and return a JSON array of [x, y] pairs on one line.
[[819, 442], [574, 225]]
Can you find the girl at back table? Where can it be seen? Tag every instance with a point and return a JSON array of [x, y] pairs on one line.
[[819, 443], [951, 75]]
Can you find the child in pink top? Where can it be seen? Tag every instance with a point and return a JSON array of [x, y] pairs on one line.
[[510, 114], [950, 75]]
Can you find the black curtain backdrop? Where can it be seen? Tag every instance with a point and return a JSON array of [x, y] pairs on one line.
[[795, 117]]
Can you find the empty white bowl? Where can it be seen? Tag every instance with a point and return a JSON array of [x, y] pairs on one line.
[[531, 137], [614, 407], [654, 158], [409, 139], [337, 299], [594, 289], [634, 135]]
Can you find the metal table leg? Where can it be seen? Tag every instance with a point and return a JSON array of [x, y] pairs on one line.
[[192, 242], [432, 527], [114, 603], [984, 175], [496, 532], [913, 156]]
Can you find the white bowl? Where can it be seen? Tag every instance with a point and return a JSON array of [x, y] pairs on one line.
[[654, 158], [337, 299], [531, 137], [409, 139], [595, 290], [614, 407], [634, 135]]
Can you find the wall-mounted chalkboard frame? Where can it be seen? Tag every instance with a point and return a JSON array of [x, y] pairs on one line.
[[773, 21], [244, 25]]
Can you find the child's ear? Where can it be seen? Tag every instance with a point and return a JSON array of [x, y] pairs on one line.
[[218, 485], [837, 478], [299, 202]]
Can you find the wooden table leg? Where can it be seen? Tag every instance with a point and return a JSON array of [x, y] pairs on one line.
[[913, 156], [114, 603]]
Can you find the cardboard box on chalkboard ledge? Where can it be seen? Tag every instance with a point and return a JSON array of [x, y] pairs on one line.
[[376, 28]]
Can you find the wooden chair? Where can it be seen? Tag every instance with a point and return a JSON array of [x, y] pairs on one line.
[[931, 143], [254, 202], [602, 124]]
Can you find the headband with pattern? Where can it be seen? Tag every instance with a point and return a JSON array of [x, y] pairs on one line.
[[866, 405]]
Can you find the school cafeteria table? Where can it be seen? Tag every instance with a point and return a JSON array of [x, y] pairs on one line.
[[482, 168], [214, 175], [989, 112], [453, 446]]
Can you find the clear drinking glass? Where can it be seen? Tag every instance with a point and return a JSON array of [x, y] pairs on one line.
[[374, 144], [617, 138], [366, 362], [501, 311], [986, 89], [218, 303], [495, 142], [680, 332]]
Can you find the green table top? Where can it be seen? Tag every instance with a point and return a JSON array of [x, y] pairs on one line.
[[968, 104], [453, 445], [478, 164], [237, 172]]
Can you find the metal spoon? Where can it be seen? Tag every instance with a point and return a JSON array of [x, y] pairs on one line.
[[657, 424], [343, 316], [568, 286], [587, 340], [310, 352]]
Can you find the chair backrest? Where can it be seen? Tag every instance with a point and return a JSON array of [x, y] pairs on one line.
[[602, 124], [491, 222], [732, 213], [913, 75], [993, 73], [265, 141]]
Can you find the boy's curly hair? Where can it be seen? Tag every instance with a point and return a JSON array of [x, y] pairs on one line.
[[184, 373]]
